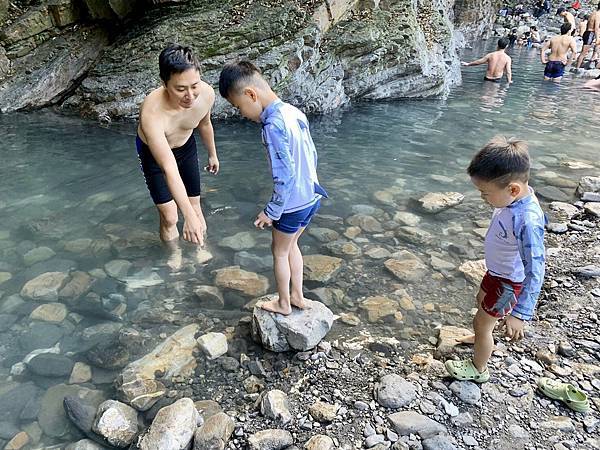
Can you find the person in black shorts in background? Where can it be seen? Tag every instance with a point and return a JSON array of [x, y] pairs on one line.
[[592, 33]]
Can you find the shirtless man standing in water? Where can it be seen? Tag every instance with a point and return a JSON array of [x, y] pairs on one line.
[[559, 48], [166, 146], [497, 63], [591, 33]]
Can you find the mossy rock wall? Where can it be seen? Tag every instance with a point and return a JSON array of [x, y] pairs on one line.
[[317, 54]]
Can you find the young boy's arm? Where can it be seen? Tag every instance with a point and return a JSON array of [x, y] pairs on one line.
[[282, 167], [530, 239]]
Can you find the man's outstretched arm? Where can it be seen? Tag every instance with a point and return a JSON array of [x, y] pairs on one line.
[[477, 62]]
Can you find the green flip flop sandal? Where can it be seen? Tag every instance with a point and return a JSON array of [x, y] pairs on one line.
[[465, 370], [567, 393]]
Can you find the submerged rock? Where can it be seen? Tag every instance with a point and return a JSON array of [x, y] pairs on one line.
[[301, 330], [321, 268], [379, 307], [45, 287], [406, 267], [436, 202], [247, 283]]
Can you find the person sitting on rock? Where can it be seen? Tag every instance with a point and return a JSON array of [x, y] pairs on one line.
[[514, 251], [293, 159], [560, 57], [497, 63]]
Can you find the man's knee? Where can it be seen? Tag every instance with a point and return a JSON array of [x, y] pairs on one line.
[[168, 219]]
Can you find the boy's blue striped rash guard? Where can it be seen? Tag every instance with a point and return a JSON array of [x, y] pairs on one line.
[[514, 249], [293, 159]]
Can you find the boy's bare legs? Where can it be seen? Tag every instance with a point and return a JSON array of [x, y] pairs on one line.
[[297, 273], [281, 247], [484, 325]]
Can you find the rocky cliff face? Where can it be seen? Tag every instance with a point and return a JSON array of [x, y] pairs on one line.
[[99, 58], [474, 18]]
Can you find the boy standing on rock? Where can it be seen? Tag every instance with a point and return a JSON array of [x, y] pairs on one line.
[[514, 251], [293, 159]]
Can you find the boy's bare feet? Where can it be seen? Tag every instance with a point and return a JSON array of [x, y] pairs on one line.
[[276, 307], [299, 303]]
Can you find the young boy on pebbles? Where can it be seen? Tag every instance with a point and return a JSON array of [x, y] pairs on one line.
[[514, 251], [293, 159]]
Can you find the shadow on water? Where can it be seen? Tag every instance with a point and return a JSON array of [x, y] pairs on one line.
[[73, 199]]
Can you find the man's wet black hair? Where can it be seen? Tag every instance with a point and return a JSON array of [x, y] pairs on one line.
[[565, 28], [501, 161], [175, 59], [503, 42], [560, 10], [235, 76]]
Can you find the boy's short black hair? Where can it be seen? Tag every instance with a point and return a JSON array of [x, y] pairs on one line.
[[503, 42], [501, 161], [176, 58], [565, 28], [560, 10], [237, 75]]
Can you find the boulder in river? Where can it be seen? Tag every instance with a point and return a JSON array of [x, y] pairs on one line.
[[301, 330], [137, 386]]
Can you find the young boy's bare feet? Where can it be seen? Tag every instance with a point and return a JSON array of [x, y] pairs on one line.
[[299, 303], [277, 307]]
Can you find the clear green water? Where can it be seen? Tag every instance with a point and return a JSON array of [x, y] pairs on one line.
[[64, 179]]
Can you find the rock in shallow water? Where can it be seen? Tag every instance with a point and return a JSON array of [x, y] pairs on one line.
[[436, 202], [406, 267], [321, 268], [302, 330], [45, 287], [247, 283], [116, 422], [172, 428], [137, 385]]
